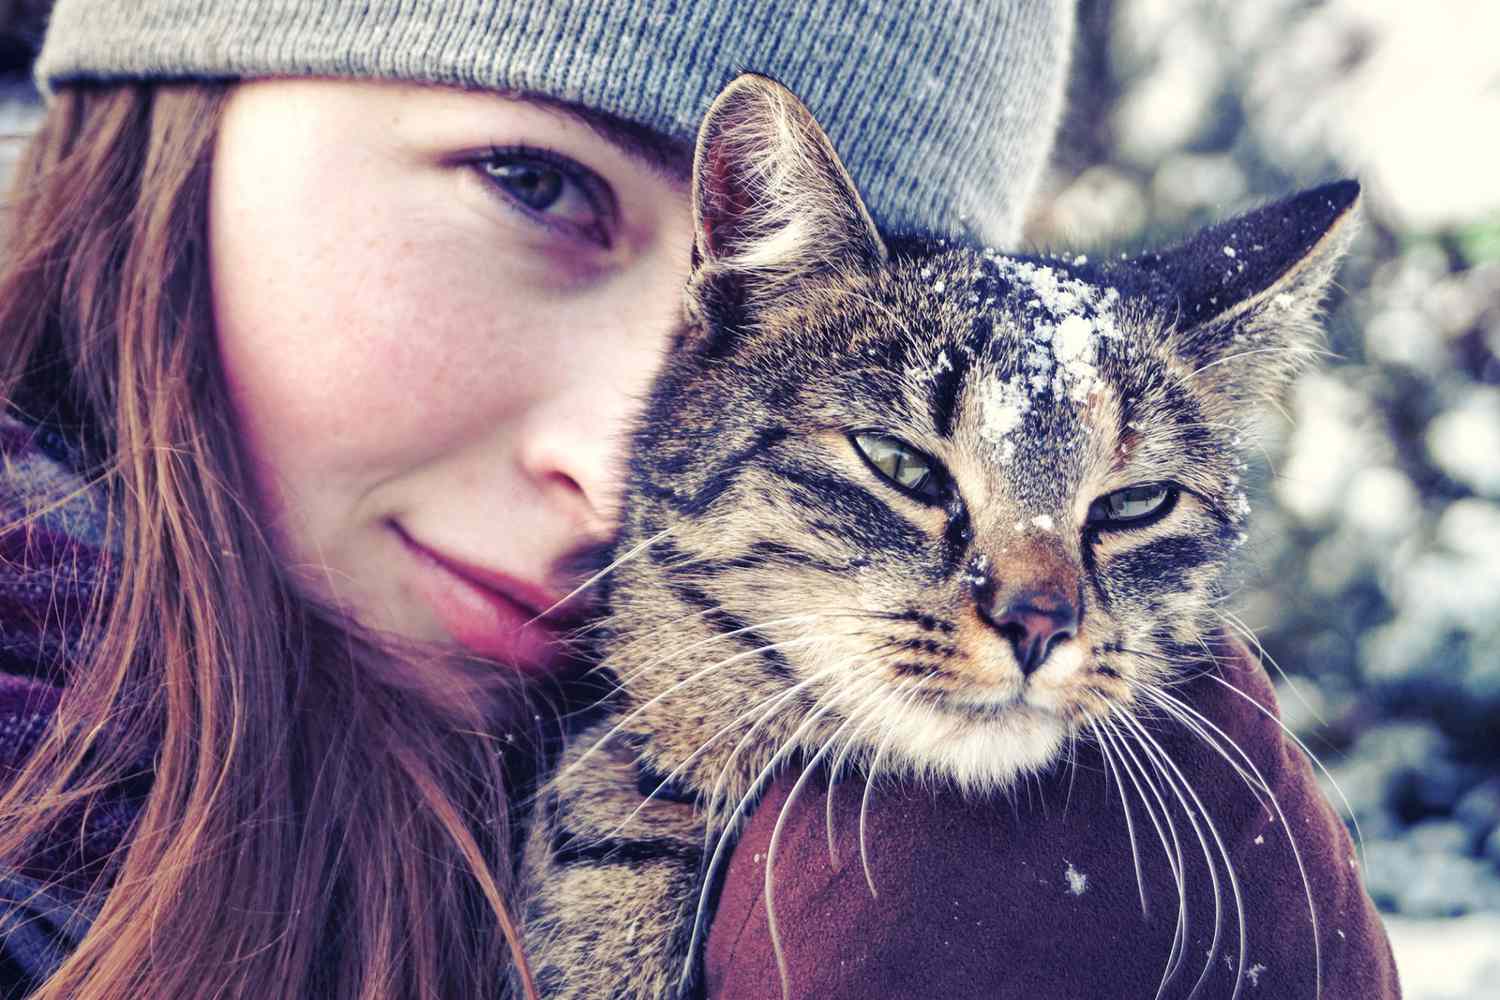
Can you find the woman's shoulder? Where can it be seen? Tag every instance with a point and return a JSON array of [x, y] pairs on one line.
[[40, 922], [49, 526], [38, 929], [1054, 889], [37, 926]]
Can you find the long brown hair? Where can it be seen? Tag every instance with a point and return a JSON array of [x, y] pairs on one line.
[[325, 817]]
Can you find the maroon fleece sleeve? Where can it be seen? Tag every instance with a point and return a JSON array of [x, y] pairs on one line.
[[1034, 895]]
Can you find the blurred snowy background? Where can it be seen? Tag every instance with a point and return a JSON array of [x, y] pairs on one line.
[[1374, 571], [1373, 574]]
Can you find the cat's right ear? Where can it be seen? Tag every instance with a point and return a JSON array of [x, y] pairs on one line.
[[1245, 296], [772, 203]]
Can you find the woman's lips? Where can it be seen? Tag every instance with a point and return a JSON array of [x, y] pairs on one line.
[[488, 613]]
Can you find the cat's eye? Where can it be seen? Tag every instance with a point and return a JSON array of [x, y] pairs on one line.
[[902, 465], [1133, 506], [551, 189]]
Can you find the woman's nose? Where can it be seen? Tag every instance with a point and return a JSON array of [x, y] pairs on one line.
[[577, 439], [608, 349], [573, 455]]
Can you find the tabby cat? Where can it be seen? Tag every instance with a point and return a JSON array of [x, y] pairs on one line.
[[896, 505]]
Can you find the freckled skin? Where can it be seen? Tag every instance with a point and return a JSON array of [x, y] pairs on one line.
[[789, 601], [403, 345]]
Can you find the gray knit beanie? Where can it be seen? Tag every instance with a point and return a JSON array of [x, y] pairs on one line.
[[943, 110]]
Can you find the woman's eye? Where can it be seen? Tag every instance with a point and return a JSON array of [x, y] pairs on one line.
[[536, 185], [1132, 505], [901, 464], [559, 193]]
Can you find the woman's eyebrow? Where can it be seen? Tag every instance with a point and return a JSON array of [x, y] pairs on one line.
[[662, 154]]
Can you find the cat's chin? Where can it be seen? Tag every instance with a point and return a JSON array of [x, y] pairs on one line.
[[979, 749]]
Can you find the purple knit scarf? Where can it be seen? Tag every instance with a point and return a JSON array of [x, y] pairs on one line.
[[51, 530]]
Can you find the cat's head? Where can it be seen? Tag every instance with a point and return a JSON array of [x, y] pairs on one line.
[[974, 501]]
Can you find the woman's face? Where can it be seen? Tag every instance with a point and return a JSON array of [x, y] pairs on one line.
[[437, 311]]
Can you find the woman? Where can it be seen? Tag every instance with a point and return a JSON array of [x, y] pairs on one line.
[[315, 377]]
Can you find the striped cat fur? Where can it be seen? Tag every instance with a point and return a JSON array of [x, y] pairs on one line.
[[897, 505]]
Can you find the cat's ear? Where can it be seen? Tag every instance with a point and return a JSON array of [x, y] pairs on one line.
[[772, 203], [1248, 293]]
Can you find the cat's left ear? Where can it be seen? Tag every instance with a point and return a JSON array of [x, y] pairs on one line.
[[772, 202], [1249, 292]]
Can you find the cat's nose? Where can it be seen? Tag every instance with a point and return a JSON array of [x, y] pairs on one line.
[[1034, 622]]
